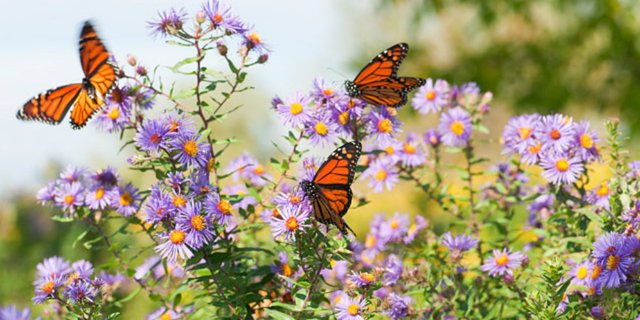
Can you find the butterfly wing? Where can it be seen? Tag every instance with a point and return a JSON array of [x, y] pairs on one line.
[[383, 66], [333, 183], [51, 106], [391, 92], [100, 76]]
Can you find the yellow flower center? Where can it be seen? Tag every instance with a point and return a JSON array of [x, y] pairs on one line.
[[586, 141], [602, 190], [190, 148], [224, 207], [275, 213], [394, 224], [332, 263], [179, 201], [367, 277], [258, 169], [412, 229], [48, 287], [68, 199], [126, 199], [321, 128], [457, 128], [210, 164], [381, 174], [389, 150], [409, 148], [433, 139], [353, 309], [536, 148], [174, 126], [327, 92], [582, 272], [385, 126], [286, 270], [344, 118], [99, 193], [165, 316], [337, 299], [176, 237], [292, 224], [502, 260], [555, 134], [613, 261], [431, 95], [296, 108], [524, 132], [370, 242], [114, 113], [562, 165], [217, 18], [198, 222], [293, 199], [596, 271], [254, 38]]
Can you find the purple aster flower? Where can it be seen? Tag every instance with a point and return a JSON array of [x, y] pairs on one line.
[[11, 312], [585, 141], [47, 194], [253, 42], [82, 269], [70, 197], [145, 268], [597, 312], [320, 129], [580, 273], [175, 180], [143, 98], [344, 111], [247, 167], [561, 169], [458, 243], [531, 155], [46, 287], [323, 91], [415, 227], [97, 198], [240, 192], [54, 267], [174, 246], [557, 132], [189, 152], [220, 208], [177, 122], [178, 201], [125, 200], [111, 282], [431, 97], [158, 206], [398, 306], [432, 138], [73, 174], [200, 182], [151, 137], [350, 308], [503, 262], [295, 110], [197, 226], [311, 166], [521, 132], [455, 127], [112, 118], [292, 219], [337, 296], [293, 197], [541, 206], [168, 22], [634, 170], [411, 154], [383, 123], [395, 228], [613, 253], [374, 241], [390, 146], [599, 195], [220, 16], [107, 178], [382, 173], [362, 279], [80, 291], [392, 270], [338, 271]]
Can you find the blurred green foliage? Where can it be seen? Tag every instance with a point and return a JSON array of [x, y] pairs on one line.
[[538, 56]]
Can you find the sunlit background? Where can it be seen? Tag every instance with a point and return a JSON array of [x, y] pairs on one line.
[[583, 59]]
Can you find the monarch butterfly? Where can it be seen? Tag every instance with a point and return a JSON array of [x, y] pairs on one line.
[[378, 84], [88, 97], [330, 190]]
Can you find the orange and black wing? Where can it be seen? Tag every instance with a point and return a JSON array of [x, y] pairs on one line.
[[333, 181], [383, 66], [99, 74], [391, 92], [51, 106]]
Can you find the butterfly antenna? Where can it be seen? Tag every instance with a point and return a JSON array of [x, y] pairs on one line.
[[338, 73], [346, 233]]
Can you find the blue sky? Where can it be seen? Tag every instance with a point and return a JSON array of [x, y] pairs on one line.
[[40, 51]]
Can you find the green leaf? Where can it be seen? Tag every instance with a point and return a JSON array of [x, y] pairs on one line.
[[176, 67], [278, 315]]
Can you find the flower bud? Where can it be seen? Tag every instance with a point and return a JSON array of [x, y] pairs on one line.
[[263, 58], [131, 60], [200, 17], [141, 71], [222, 49]]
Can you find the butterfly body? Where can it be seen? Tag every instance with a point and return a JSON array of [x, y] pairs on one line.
[[378, 83], [330, 190], [83, 99]]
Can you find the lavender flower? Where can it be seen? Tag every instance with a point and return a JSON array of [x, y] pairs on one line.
[[613, 253], [151, 137], [561, 169], [580, 273], [174, 246], [47, 194], [350, 308], [168, 22], [125, 200], [189, 152], [199, 230], [383, 123], [411, 154], [112, 118], [557, 132], [70, 197], [293, 219], [11, 312], [220, 208], [338, 271], [382, 173], [72, 174], [392, 270], [503, 262], [220, 17], [362, 279], [455, 127], [431, 97], [599, 195], [320, 129], [295, 110], [398, 306], [585, 142], [432, 138], [457, 244], [521, 132]]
